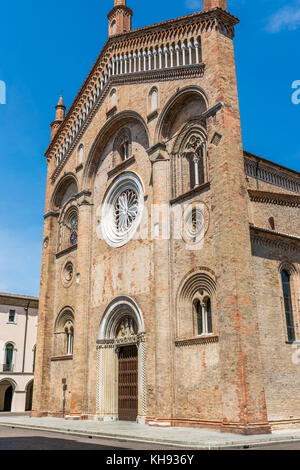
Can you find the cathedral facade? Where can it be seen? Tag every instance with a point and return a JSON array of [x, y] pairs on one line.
[[170, 289]]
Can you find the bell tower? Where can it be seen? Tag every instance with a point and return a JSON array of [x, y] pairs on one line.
[[59, 117], [119, 18]]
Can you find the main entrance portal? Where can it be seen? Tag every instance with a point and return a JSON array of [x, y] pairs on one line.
[[121, 386], [128, 383]]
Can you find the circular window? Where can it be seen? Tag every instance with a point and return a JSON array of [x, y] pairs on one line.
[[122, 210], [67, 273], [195, 223]]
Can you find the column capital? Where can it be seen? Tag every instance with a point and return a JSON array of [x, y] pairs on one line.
[[84, 198], [158, 153]]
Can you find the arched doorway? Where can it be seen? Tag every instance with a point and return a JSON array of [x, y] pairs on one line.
[[29, 393], [8, 398], [6, 395], [127, 370], [121, 393]]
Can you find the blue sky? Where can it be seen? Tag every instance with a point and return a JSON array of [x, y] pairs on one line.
[[46, 47]]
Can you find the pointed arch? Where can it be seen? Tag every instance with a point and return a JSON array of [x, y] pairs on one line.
[[196, 303], [66, 188], [175, 111], [108, 131]]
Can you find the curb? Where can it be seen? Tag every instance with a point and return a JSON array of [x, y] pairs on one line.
[[145, 440]]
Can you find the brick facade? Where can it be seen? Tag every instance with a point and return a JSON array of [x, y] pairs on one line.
[[240, 376]]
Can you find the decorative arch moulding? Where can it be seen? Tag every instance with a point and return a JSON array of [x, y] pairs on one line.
[[177, 73], [182, 33]]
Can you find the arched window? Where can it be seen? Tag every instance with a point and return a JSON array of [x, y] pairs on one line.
[[112, 102], [68, 229], [113, 27], [8, 360], [272, 223], [122, 145], [73, 230], [288, 306], [69, 330], [153, 100], [203, 316], [189, 159], [196, 304], [80, 154], [64, 334], [194, 152]]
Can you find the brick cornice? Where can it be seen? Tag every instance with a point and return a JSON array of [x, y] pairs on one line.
[[280, 199], [265, 237], [117, 80], [120, 8], [216, 18], [189, 194], [19, 300], [197, 340]]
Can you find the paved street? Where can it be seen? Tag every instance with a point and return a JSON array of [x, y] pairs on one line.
[[141, 436], [26, 439]]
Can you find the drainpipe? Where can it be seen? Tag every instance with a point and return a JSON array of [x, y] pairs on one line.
[[25, 336]]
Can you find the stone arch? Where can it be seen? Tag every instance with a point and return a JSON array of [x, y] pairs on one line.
[[153, 101], [66, 188], [288, 266], [289, 281], [68, 225], [64, 323], [29, 394], [14, 353], [108, 131], [122, 137], [110, 346], [197, 286], [8, 387], [186, 105], [80, 154], [119, 307], [190, 157]]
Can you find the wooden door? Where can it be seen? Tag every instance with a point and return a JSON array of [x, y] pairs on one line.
[[128, 383]]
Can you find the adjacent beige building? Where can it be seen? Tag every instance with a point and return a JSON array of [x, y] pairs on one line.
[[18, 328]]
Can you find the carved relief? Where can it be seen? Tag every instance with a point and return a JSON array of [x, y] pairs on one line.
[[126, 331]]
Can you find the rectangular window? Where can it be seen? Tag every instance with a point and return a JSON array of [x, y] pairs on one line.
[[12, 316]]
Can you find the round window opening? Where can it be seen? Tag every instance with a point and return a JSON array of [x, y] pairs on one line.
[[122, 210]]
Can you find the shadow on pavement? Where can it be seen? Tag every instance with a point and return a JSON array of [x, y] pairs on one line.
[[46, 443]]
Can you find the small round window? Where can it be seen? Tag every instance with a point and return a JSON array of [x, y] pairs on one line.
[[122, 210]]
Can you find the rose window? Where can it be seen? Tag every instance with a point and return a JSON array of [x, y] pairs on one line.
[[122, 210], [126, 210]]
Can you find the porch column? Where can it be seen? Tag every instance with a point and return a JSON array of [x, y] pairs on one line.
[[142, 399], [161, 348], [107, 392]]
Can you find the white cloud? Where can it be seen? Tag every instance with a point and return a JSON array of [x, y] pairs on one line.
[[193, 4], [287, 17]]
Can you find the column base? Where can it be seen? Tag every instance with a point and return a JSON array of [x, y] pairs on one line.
[[38, 414]]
